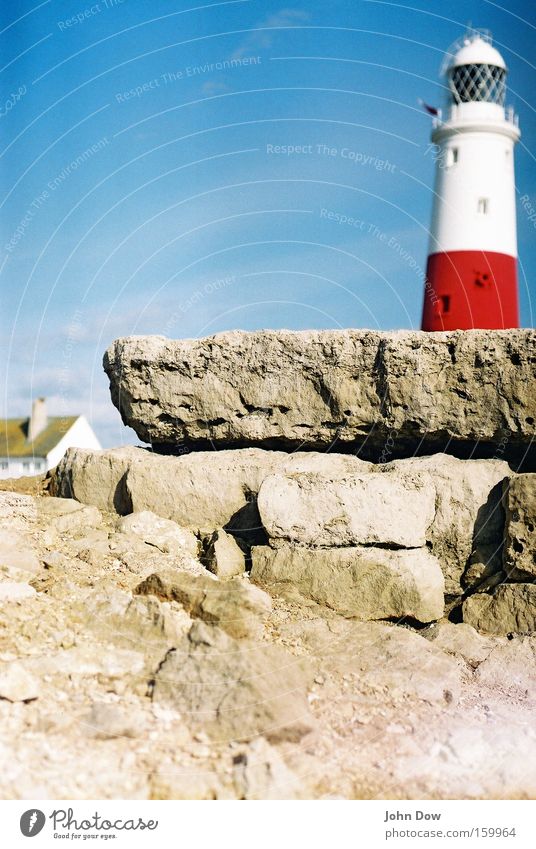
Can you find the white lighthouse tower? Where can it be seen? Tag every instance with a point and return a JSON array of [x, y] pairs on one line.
[[472, 261]]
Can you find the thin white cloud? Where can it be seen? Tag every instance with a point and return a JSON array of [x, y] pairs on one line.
[[260, 40], [215, 87]]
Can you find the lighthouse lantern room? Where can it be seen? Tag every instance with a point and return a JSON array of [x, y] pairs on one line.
[[471, 279]]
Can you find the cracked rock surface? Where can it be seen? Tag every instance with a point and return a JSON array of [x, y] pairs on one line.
[[311, 389]]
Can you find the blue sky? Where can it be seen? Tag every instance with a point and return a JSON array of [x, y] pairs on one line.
[[183, 168]]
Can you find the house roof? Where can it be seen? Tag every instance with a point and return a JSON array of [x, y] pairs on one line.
[[13, 442]]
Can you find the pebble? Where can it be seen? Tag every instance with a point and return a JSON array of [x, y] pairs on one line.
[[395, 728], [200, 752], [16, 684], [201, 737], [15, 591]]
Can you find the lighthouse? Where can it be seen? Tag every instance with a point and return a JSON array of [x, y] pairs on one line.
[[471, 275]]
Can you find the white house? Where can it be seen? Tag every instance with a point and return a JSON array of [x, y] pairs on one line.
[[34, 445]]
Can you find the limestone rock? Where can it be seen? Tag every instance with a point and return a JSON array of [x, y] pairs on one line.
[[520, 531], [187, 489], [365, 583], [92, 550], [466, 532], [139, 558], [163, 534], [460, 640], [307, 389], [223, 556], [322, 510], [17, 684], [479, 753], [469, 518], [17, 511], [152, 620], [172, 781], [328, 463], [18, 557], [15, 591], [484, 568], [237, 606], [187, 590], [509, 609], [108, 665], [511, 666], [234, 690], [115, 616], [52, 508], [106, 720], [384, 659], [98, 477], [240, 611], [72, 769], [259, 772], [67, 515]]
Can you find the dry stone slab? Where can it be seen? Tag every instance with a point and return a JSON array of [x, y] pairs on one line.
[[236, 605], [163, 534], [285, 389], [511, 608], [520, 532], [52, 508], [364, 583], [98, 477], [200, 491], [67, 515], [223, 556], [235, 690], [465, 531], [139, 558], [468, 525], [322, 510]]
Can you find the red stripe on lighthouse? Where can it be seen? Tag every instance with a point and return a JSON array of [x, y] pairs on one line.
[[470, 289]]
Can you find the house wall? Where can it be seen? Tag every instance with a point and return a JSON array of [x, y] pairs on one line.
[[80, 435], [17, 467]]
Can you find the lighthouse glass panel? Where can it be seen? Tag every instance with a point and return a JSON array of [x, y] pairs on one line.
[[478, 83]]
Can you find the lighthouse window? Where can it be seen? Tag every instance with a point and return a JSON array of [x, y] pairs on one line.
[[477, 83], [445, 303], [483, 206], [452, 156]]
